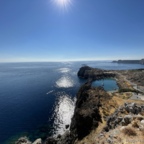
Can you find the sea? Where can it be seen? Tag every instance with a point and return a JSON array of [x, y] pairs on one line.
[[38, 99]]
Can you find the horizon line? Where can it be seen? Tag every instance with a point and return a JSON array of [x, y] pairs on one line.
[[62, 61]]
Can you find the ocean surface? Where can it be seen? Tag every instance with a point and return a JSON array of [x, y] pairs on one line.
[[37, 99]]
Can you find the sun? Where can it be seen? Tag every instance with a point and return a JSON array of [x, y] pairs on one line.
[[63, 3]]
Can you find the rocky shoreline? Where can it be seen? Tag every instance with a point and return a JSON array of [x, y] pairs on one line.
[[98, 113]]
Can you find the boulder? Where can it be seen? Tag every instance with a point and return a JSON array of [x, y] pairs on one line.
[[132, 105], [127, 119], [122, 128], [142, 122], [51, 140], [38, 141], [141, 127], [138, 109], [23, 140], [119, 119], [109, 140]]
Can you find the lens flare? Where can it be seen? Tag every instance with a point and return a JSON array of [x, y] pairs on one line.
[[63, 3]]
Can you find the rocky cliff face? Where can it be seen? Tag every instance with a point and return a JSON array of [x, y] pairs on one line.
[[86, 116], [91, 108], [94, 73]]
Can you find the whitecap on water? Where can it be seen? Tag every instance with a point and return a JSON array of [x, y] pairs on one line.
[[63, 113], [64, 70], [65, 82]]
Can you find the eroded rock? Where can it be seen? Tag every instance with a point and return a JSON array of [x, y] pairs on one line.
[[38, 141], [23, 140]]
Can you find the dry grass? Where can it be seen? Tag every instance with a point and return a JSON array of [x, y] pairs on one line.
[[142, 131], [129, 131], [135, 124], [142, 113], [139, 118]]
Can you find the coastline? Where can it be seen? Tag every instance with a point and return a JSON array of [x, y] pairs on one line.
[[95, 106]]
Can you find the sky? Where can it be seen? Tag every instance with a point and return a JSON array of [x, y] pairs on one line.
[[71, 30]]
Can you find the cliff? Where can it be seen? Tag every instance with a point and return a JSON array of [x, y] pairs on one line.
[[92, 108]]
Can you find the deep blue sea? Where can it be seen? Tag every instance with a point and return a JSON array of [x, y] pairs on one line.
[[37, 99]]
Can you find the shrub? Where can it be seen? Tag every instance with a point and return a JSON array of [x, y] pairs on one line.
[[135, 124], [142, 131], [128, 90], [129, 131]]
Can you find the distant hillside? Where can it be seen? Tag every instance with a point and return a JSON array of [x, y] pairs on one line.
[[130, 61]]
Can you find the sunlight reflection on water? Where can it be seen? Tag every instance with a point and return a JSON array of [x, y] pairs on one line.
[[65, 82], [63, 113], [64, 70]]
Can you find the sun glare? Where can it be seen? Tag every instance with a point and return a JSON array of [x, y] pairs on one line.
[[63, 3]]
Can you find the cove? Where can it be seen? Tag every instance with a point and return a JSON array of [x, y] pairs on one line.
[[107, 84]]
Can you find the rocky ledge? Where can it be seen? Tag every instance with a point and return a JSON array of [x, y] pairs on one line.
[[25, 140]]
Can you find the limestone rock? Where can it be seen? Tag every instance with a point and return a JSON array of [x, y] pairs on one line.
[[128, 119], [142, 122], [51, 140], [23, 140], [38, 141], [122, 128]]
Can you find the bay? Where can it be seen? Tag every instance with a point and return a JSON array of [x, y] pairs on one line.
[[37, 99]]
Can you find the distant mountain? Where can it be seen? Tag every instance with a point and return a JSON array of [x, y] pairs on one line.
[[130, 61]]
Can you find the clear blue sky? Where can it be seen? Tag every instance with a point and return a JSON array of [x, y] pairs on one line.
[[41, 30]]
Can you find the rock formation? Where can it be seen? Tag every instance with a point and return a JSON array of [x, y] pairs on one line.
[[89, 73]]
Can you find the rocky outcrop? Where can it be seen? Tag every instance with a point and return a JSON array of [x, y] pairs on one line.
[[66, 138], [86, 116], [124, 115], [23, 140], [89, 73], [38, 141], [83, 71]]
